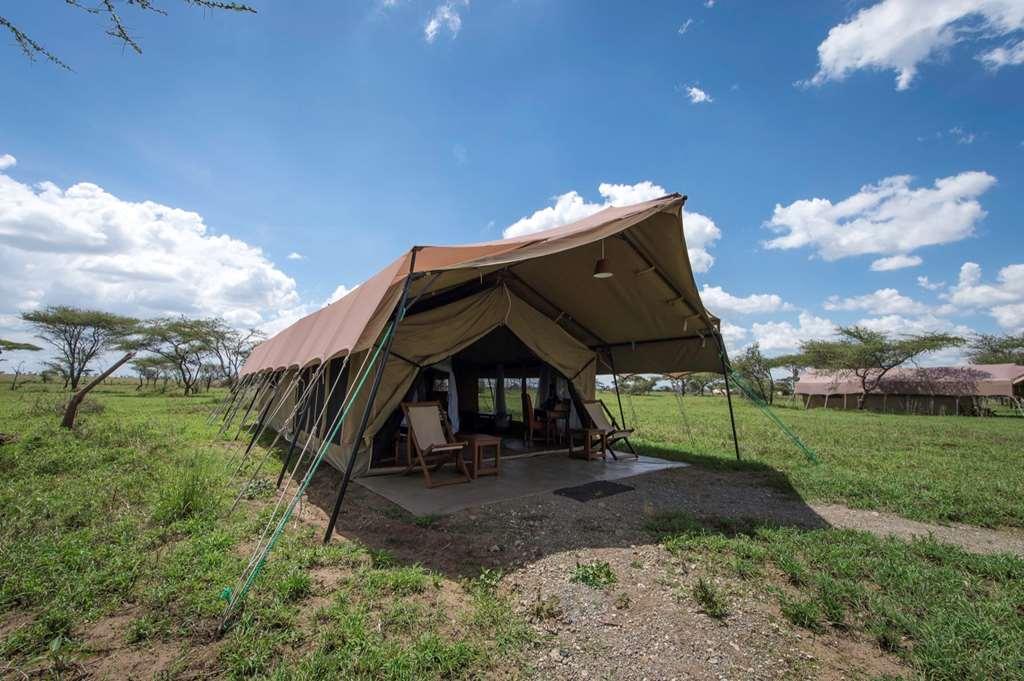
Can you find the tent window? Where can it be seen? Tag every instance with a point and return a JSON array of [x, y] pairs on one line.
[[485, 390], [337, 400]]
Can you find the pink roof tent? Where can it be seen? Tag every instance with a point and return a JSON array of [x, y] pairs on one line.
[[979, 380]]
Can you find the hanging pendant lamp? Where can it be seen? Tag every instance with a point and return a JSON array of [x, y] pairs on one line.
[[602, 270]]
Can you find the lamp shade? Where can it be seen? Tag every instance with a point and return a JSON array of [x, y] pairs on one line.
[[602, 270]]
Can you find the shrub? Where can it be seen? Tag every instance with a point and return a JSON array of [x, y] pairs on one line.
[[596, 575]]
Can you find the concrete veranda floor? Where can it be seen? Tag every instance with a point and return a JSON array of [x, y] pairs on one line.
[[520, 477]]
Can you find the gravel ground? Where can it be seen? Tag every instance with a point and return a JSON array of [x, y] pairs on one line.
[[647, 625]]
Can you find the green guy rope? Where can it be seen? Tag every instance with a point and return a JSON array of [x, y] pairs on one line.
[[234, 598], [745, 388]]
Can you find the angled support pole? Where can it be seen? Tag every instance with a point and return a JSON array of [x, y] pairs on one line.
[[378, 375], [728, 393]]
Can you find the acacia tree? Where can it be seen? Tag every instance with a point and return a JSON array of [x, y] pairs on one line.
[[185, 344], [699, 381], [116, 28], [996, 349], [869, 355], [13, 346], [757, 369], [79, 335], [637, 384], [230, 348]]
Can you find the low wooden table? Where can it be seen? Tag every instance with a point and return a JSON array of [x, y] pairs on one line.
[[476, 443]]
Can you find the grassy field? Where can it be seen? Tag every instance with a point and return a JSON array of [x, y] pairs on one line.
[[122, 521], [124, 518], [931, 468]]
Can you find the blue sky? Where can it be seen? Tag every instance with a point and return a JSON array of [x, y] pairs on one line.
[[180, 180]]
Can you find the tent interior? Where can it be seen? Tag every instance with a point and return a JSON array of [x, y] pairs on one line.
[[487, 388]]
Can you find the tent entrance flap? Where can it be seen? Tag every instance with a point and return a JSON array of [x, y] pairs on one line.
[[435, 335], [483, 386]]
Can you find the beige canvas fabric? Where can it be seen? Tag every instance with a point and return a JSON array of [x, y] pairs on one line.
[[982, 380], [596, 413], [648, 317], [425, 421]]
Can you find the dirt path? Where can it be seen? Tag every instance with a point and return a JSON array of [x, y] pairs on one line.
[[967, 537]]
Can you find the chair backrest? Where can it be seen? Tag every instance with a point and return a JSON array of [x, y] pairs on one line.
[[595, 410], [424, 420], [527, 409]]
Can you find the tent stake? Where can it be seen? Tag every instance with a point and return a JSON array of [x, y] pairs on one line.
[[364, 421]]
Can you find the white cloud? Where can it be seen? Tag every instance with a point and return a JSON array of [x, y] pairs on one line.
[[339, 292], [999, 57], [1010, 317], [885, 218], [709, 3], [296, 256], [1004, 299], [895, 262], [699, 230], [896, 325], [899, 35], [84, 246], [685, 26], [446, 16], [698, 96], [882, 301], [929, 285], [785, 337], [719, 301], [971, 292], [7, 161]]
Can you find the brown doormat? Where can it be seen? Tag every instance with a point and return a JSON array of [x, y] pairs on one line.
[[593, 490]]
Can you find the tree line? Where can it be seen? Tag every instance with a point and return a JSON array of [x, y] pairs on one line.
[[192, 352]]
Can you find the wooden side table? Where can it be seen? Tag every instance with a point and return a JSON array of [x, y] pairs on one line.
[[477, 442]]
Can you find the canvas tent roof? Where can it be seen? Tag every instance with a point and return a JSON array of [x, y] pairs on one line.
[[983, 380], [647, 318]]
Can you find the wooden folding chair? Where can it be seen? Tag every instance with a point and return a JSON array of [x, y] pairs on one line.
[[602, 433], [430, 436]]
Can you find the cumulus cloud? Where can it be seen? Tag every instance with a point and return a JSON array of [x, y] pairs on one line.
[[445, 17], [7, 161], [719, 301], [900, 35], [84, 246], [929, 285], [883, 301], [699, 230], [885, 218], [685, 26], [895, 262], [777, 337], [294, 255], [970, 291], [698, 96]]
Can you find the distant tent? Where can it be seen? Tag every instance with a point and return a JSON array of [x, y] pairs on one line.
[[935, 390], [534, 296]]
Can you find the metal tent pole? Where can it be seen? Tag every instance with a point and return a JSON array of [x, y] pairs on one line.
[[256, 393], [728, 394], [229, 413], [385, 351]]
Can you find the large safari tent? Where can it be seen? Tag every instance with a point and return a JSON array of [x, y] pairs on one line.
[[612, 293]]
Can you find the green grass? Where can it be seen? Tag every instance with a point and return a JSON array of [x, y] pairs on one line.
[[596, 575], [127, 514], [930, 468], [950, 614]]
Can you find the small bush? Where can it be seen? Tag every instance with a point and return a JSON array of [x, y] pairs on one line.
[[596, 575], [549, 608], [190, 495], [802, 613], [712, 601]]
